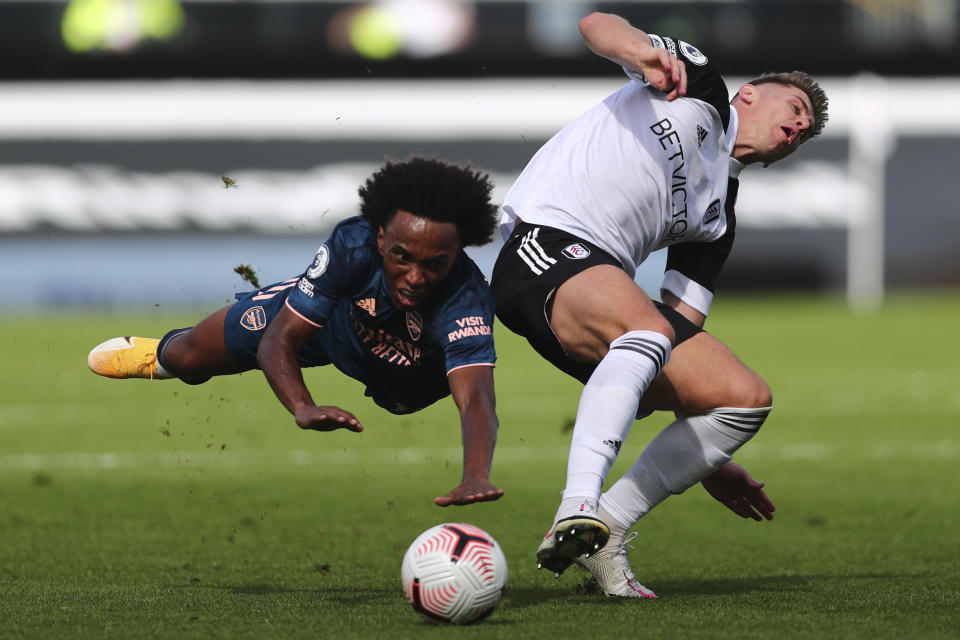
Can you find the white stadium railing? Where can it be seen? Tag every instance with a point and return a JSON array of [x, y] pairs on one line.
[[868, 111]]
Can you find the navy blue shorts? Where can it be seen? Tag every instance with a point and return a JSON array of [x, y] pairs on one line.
[[246, 322], [243, 328]]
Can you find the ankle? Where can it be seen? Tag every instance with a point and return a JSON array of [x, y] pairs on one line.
[[618, 530]]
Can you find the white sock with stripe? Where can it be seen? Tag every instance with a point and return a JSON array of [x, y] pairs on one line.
[[608, 407], [684, 453]]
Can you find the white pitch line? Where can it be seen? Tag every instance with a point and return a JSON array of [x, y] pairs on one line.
[[798, 451]]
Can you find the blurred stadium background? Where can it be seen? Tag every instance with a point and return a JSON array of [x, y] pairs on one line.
[[177, 511], [120, 118]]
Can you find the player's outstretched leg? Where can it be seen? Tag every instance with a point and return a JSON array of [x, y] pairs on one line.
[[606, 412], [192, 354], [127, 357]]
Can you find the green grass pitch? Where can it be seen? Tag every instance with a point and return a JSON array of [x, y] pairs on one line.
[[136, 509]]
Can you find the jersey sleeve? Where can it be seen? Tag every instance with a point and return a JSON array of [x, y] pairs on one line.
[[464, 328], [692, 267], [704, 82], [339, 263]]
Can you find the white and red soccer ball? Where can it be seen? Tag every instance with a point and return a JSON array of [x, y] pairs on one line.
[[454, 573]]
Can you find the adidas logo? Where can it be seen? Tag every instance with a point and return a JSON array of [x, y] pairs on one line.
[[701, 134], [614, 444]]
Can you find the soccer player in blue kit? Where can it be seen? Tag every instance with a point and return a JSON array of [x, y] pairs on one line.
[[654, 165], [390, 299]]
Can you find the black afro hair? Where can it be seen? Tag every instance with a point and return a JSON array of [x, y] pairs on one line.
[[435, 190]]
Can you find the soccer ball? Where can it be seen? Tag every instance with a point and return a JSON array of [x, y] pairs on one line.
[[454, 573]]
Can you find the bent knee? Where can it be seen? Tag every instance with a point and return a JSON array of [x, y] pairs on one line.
[[752, 392], [661, 325], [763, 396]]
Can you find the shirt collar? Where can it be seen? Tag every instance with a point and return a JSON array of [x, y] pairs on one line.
[[735, 165]]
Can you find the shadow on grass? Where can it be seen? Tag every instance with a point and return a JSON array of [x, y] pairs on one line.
[[350, 598], [731, 586], [346, 595], [339, 594], [583, 591], [261, 589], [588, 591]]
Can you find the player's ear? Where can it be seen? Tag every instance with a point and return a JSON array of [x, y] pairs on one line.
[[380, 240], [747, 93]]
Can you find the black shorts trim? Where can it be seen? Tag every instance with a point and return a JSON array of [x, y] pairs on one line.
[[532, 264]]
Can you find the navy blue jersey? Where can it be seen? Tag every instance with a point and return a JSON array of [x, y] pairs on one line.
[[402, 356]]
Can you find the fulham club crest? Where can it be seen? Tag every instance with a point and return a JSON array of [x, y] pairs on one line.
[[576, 251], [712, 212]]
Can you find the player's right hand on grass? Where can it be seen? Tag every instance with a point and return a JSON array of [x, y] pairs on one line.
[[468, 492], [327, 419]]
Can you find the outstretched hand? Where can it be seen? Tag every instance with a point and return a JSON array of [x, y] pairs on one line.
[[327, 419], [469, 492], [664, 71], [733, 485]]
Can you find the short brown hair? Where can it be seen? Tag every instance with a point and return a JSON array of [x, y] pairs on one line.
[[805, 82]]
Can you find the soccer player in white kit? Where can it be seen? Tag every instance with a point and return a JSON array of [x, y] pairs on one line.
[[654, 165]]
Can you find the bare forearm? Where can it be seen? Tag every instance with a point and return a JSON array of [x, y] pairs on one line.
[[479, 426], [280, 367], [614, 38], [472, 391], [277, 357]]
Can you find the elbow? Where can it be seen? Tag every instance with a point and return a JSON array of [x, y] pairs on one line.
[[588, 24]]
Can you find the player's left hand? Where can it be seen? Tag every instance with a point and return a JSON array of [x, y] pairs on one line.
[[664, 71], [733, 485], [469, 492]]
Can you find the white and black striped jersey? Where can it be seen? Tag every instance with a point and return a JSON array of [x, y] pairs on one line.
[[636, 173]]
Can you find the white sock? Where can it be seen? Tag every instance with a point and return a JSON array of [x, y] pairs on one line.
[[572, 507], [162, 347], [685, 452], [618, 530], [162, 373], [608, 408]]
